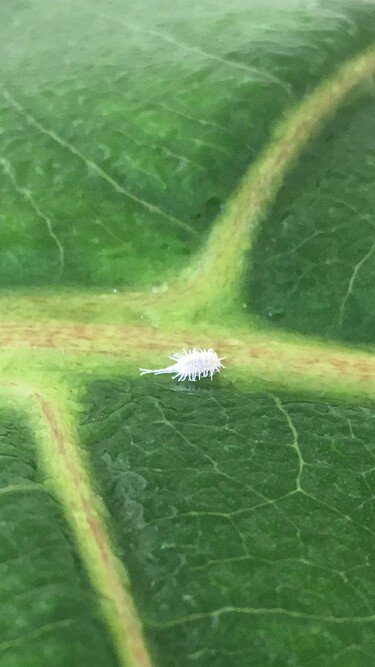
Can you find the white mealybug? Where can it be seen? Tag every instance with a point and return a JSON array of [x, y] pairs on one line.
[[191, 365]]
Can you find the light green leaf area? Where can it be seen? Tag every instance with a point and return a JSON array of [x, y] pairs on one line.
[[48, 614], [312, 269], [124, 129], [246, 520], [179, 175]]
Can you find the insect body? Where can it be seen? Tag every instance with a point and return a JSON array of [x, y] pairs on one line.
[[191, 365]]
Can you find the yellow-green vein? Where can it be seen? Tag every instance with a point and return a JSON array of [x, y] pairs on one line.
[[68, 479], [217, 270]]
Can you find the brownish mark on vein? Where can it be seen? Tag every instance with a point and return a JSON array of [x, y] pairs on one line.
[[125, 609], [243, 350], [132, 626]]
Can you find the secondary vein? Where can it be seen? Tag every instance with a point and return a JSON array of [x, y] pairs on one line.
[[91, 164], [66, 474], [217, 271]]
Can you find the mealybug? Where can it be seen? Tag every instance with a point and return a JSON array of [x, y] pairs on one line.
[[191, 365]]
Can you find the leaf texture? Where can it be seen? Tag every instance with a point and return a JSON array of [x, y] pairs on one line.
[[173, 176]]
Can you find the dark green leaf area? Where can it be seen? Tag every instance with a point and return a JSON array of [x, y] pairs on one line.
[[47, 614], [128, 108], [246, 520], [313, 267]]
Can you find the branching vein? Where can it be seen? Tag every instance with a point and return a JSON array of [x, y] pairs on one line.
[[91, 164], [353, 277], [25, 192]]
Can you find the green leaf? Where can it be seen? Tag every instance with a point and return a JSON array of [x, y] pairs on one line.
[[313, 267], [48, 612], [246, 520], [127, 104], [173, 176]]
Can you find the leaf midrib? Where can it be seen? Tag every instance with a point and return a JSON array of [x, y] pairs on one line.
[[289, 363], [59, 455]]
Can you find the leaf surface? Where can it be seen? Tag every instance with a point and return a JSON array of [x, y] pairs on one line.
[[246, 519], [124, 131], [176, 177], [313, 268], [47, 610]]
